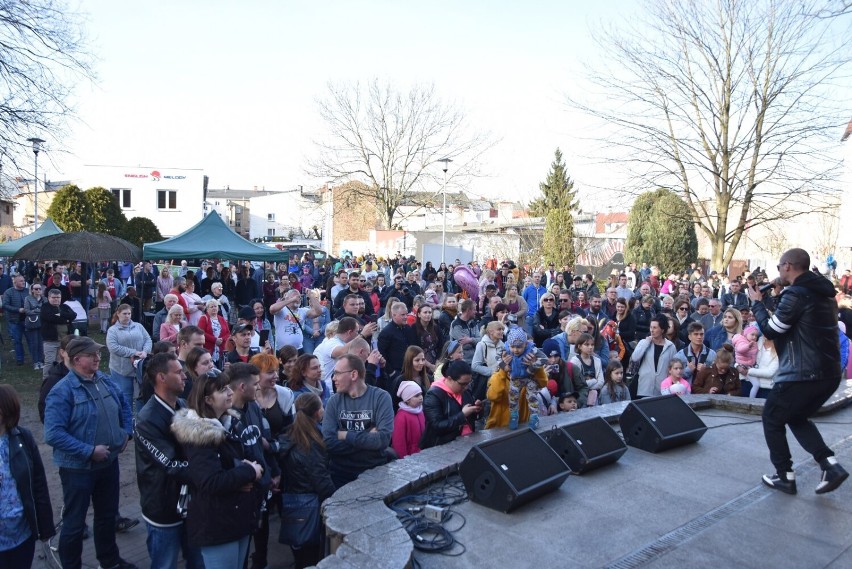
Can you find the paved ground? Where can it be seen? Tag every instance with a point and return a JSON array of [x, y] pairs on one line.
[[696, 506]]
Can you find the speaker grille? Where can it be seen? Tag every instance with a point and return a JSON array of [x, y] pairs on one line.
[[669, 417], [524, 461]]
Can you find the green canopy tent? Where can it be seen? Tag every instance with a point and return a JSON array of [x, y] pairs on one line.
[[9, 248], [210, 238]]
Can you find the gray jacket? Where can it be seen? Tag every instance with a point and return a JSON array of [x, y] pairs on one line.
[[649, 377], [124, 341], [13, 300]]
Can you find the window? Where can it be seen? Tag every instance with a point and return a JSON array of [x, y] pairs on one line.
[[270, 217], [238, 210], [166, 199], [123, 197], [271, 231]]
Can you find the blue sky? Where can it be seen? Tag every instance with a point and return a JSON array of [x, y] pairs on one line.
[[230, 87]]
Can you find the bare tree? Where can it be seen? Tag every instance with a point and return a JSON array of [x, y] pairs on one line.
[[729, 103], [393, 141], [42, 56]]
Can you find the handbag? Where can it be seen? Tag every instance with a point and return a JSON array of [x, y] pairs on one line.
[[300, 520], [33, 321], [632, 373]]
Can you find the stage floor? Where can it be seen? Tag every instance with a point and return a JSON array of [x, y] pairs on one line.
[[701, 505]]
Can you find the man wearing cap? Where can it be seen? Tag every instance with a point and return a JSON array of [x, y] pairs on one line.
[[243, 350], [550, 275], [576, 288], [88, 423]]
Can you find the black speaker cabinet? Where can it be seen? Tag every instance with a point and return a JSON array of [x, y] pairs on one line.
[[586, 445], [508, 472], [659, 423]]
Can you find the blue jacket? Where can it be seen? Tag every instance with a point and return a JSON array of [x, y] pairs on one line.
[[532, 295], [71, 420]]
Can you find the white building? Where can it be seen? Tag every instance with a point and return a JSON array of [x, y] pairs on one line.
[[173, 198], [295, 214]]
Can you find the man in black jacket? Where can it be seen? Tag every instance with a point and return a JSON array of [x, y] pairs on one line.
[[804, 328], [53, 313], [160, 465], [355, 282]]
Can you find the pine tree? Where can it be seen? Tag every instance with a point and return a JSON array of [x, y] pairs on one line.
[[661, 232], [557, 205]]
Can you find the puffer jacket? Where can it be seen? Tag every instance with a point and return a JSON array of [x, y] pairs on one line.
[[804, 327], [307, 472], [219, 511], [28, 472]]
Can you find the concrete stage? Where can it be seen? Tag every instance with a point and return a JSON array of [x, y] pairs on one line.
[[701, 505]]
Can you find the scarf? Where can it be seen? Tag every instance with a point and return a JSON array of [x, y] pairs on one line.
[[414, 410], [451, 311], [519, 368]]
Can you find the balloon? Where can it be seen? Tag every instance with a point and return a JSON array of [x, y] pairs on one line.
[[468, 282]]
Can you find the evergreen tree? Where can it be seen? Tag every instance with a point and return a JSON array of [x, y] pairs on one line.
[[661, 232], [141, 230], [557, 205], [69, 209], [105, 215]]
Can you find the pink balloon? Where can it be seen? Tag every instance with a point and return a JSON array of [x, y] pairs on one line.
[[465, 278]]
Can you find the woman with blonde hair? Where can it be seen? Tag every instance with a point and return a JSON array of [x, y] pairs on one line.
[[216, 331], [174, 322], [731, 325], [165, 283]]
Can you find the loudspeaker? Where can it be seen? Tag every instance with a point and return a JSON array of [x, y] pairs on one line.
[[586, 445], [508, 472], [655, 424]]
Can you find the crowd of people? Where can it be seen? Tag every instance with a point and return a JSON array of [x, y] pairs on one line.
[[268, 387]]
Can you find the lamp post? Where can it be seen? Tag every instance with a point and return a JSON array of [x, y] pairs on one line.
[[446, 162], [36, 147]]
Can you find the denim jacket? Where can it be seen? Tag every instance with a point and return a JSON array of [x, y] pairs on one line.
[[323, 319], [71, 420]]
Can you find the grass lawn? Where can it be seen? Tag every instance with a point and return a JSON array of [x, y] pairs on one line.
[[27, 380]]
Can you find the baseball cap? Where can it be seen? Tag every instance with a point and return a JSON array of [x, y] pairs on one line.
[[240, 327], [82, 345]]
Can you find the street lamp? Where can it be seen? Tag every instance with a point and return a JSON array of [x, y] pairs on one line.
[[446, 162], [36, 147]]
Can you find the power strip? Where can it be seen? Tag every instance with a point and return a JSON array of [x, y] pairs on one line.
[[434, 513]]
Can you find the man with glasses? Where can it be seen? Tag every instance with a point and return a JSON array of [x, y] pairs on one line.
[[715, 314], [88, 423], [564, 300], [358, 422], [804, 329]]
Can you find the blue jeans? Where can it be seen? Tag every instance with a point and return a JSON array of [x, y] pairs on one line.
[[125, 384], [164, 544], [35, 345], [16, 334], [231, 555], [79, 488]]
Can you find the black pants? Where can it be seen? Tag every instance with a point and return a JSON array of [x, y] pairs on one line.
[[793, 403]]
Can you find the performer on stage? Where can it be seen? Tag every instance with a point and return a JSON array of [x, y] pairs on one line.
[[804, 328]]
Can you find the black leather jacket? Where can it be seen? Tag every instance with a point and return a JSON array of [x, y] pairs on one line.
[[804, 327], [444, 417], [161, 467], [28, 472]]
